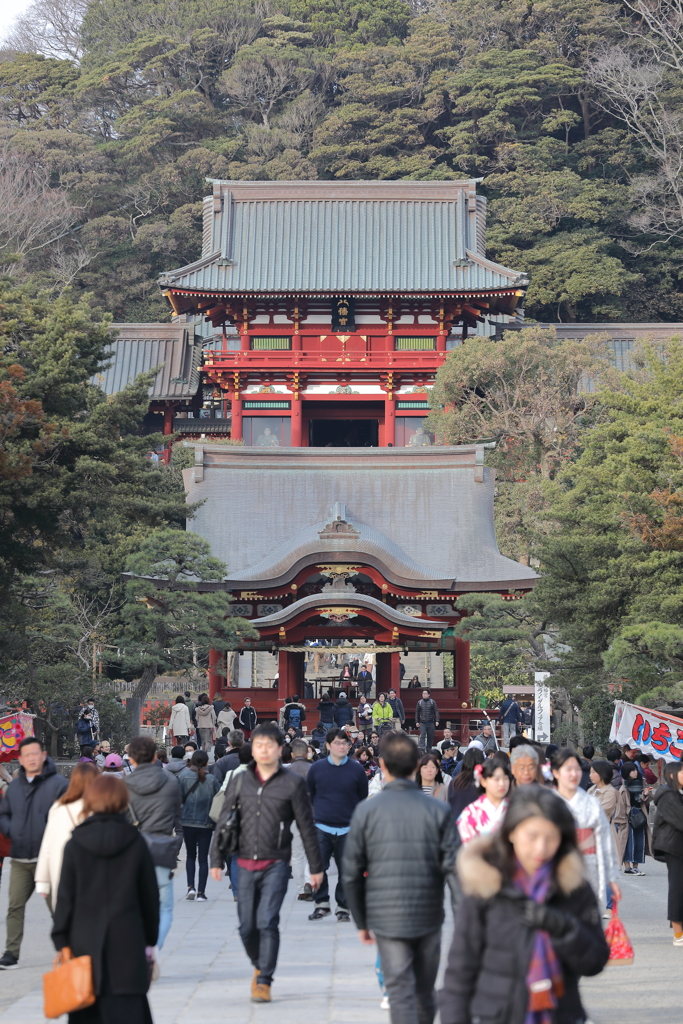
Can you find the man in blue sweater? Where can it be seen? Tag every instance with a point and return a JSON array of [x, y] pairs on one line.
[[336, 785]]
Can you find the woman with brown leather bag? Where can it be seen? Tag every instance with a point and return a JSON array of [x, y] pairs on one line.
[[108, 906]]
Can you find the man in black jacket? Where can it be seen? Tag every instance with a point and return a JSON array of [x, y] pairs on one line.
[[23, 817], [270, 799], [402, 909], [247, 718], [154, 806], [427, 717]]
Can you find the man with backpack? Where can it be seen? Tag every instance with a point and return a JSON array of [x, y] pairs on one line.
[[295, 714]]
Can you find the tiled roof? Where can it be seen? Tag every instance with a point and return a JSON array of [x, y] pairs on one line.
[[140, 347], [424, 517], [350, 238]]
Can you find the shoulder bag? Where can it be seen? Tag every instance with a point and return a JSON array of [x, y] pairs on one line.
[[636, 818], [163, 849], [228, 839], [219, 799], [68, 987]]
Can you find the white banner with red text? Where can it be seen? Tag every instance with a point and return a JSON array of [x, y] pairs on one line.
[[660, 736]]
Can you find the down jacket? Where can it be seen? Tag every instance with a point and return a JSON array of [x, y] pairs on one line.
[[390, 835], [267, 811], [485, 980], [154, 798], [25, 807]]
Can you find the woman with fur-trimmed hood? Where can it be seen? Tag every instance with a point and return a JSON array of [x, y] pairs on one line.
[[528, 925]]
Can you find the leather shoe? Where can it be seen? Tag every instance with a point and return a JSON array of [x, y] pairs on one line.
[[260, 994]]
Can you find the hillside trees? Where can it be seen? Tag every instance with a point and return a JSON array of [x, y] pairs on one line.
[[129, 118]]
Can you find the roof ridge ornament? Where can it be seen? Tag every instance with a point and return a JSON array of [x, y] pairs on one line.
[[339, 527]]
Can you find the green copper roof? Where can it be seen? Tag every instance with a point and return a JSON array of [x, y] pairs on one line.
[[343, 238]]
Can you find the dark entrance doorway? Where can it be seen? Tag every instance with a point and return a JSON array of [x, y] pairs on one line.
[[343, 433]]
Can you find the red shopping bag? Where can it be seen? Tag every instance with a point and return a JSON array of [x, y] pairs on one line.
[[620, 948]]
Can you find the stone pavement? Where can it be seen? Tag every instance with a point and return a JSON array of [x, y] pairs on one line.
[[325, 975]]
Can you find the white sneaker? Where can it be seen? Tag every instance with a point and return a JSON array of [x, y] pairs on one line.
[[191, 893], [384, 1005], [679, 941]]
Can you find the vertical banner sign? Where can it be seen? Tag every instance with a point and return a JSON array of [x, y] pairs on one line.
[[659, 736], [542, 707]]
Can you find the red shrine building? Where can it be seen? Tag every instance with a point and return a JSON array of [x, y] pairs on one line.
[[336, 302], [348, 535]]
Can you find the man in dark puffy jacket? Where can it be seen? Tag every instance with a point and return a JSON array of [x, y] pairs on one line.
[[154, 806], [344, 713], [427, 718], [231, 758], [401, 909], [294, 714], [270, 798], [23, 817]]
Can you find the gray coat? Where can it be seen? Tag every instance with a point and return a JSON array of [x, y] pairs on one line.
[[398, 856], [154, 797]]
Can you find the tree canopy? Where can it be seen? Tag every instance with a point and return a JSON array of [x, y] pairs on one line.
[[113, 112]]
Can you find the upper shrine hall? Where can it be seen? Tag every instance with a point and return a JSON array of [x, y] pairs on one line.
[[336, 302]]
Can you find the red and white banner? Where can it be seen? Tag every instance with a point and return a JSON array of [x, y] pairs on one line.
[[660, 736]]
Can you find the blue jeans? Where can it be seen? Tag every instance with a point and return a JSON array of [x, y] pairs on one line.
[[234, 874], [259, 900], [331, 846], [165, 883], [197, 843]]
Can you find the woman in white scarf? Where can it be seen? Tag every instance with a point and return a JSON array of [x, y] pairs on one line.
[[593, 832]]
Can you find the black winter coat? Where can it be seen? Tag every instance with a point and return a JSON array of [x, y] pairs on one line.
[[485, 980], [108, 902], [326, 710], [267, 811], [668, 831], [343, 712], [398, 855], [24, 810]]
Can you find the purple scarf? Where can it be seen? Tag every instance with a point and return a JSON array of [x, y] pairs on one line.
[[544, 979]]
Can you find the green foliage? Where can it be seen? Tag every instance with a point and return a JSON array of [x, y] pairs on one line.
[[168, 93], [615, 596], [174, 625]]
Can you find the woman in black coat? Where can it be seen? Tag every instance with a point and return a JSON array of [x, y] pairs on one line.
[[528, 925], [667, 842], [108, 906]]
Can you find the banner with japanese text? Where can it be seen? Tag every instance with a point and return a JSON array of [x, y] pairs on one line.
[[659, 736]]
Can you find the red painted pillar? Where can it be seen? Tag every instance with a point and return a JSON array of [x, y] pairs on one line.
[[296, 423], [168, 419], [283, 666], [216, 680], [389, 422], [236, 424], [462, 670]]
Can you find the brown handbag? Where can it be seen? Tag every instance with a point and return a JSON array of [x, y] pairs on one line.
[[68, 986]]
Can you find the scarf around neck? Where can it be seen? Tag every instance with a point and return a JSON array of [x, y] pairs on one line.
[[544, 979]]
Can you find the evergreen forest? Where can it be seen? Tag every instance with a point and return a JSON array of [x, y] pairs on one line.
[[114, 112]]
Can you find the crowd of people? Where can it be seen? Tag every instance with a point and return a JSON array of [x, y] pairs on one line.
[[528, 843]]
